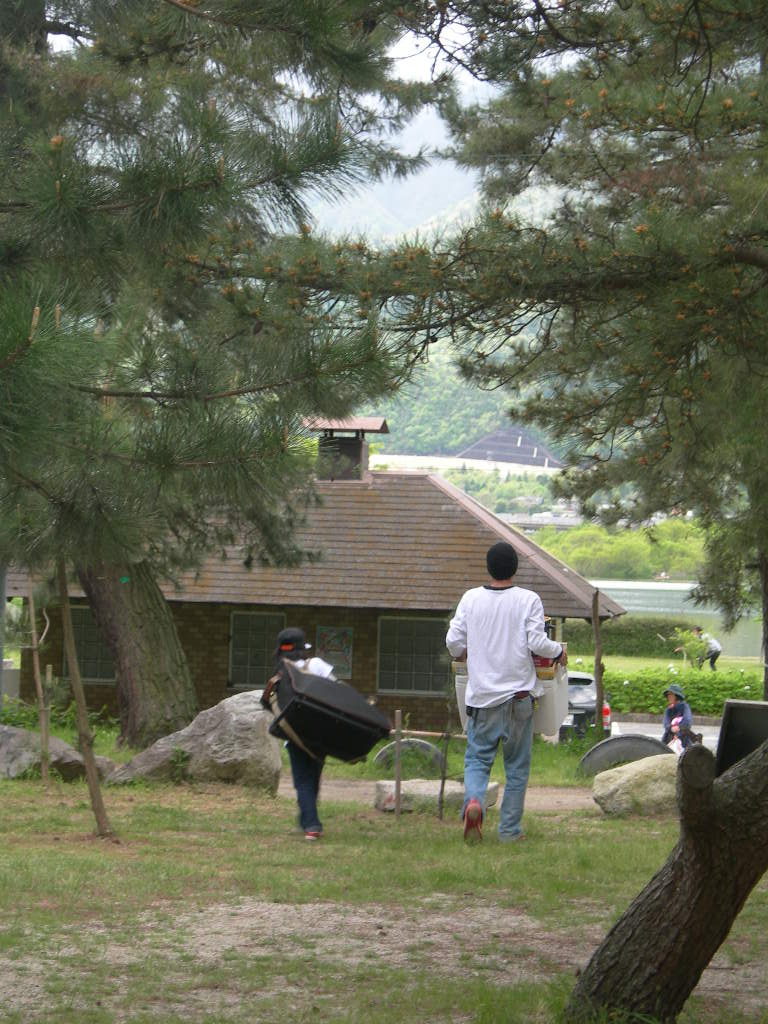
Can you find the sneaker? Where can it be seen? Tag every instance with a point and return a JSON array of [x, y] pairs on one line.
[[312, 836], [473, 820]]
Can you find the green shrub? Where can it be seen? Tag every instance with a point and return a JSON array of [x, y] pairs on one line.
[[18, 714], [693, 644], [25, 716], [705, 691], [628, 636]]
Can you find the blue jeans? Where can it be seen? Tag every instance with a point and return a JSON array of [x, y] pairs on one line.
[[510, 724], [306, 772]]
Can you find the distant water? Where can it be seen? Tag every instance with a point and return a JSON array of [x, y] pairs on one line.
[[674, 599]]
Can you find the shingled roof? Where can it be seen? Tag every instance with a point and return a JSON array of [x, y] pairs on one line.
[[391, 540]]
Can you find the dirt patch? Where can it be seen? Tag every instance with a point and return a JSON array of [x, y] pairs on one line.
[[440, 935], [444, 940]]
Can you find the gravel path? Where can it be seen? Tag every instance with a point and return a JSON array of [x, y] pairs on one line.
[[538, 798]]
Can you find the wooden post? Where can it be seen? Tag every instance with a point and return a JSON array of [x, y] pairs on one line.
[[443, 770], [398, 759], [47, 697], [103, 825], [599, 696], [3, 577], [41, 715]]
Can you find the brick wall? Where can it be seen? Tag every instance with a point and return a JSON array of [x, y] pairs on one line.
[[204, 632]]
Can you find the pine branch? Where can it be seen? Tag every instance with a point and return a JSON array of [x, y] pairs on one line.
[[181, 395], [26, 344]]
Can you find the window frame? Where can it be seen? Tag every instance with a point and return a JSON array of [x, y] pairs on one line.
[[440, 692], [105, 654], [240, 613]]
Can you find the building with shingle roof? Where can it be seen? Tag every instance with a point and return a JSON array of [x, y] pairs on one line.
[[394, 553]]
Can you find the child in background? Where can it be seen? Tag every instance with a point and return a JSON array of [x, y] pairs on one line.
[[305, 769], [678, 719]]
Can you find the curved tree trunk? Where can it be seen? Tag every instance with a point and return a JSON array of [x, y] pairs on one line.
[[653, 957], [156, 695]]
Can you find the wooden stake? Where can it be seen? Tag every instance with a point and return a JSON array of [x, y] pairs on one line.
[[599, 667], [41, 709], [444, 770], [47, 697], [103, 826], [398, 759]]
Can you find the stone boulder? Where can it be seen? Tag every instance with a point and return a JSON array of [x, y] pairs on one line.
[[423, 795], [645, 787], [226, 743], [20, 752]]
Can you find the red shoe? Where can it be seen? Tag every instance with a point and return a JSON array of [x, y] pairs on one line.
[[312, 836], [473, 820]]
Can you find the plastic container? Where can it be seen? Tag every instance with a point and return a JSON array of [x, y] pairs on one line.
[[460, 672], [552, 704]]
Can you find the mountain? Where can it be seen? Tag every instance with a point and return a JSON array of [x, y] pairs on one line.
[[438, 413]]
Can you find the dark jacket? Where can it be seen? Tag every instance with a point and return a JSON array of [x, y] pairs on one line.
[[683, 712]]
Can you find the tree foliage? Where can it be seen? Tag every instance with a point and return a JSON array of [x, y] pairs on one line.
[[674, 547], [155, 363], [159, 346], [503, 494], [638, 309], [416, 414]]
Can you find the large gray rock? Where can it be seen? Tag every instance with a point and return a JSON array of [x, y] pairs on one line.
[[423, 795], [645, 787], [20, 752], [226, 743]]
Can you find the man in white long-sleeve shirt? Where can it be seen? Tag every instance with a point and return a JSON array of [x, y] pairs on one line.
[[498, 627]]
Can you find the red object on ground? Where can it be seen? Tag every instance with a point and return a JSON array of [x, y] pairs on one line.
[[606, 716]]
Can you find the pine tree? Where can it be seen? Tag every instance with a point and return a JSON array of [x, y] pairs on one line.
[[638, 310], [156, 363]]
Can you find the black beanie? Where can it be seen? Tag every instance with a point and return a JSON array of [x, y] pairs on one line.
[[501, 561]]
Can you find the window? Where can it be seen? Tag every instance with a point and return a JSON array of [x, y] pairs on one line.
[[412, 655], [252, 648], [93, 654]]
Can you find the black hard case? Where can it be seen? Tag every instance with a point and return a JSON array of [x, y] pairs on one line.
[[327, 717]]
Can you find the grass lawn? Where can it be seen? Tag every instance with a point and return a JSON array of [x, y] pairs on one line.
[[551, 764], [213, 910], [618, 663]]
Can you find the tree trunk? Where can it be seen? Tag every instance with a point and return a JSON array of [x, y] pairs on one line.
[[156, 695], [103, 826], [653, 957]]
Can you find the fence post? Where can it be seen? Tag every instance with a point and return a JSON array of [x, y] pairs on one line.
[[398, 759], [3, 574]]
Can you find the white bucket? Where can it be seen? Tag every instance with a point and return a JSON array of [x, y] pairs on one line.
[[460, 673], [552, 704]]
